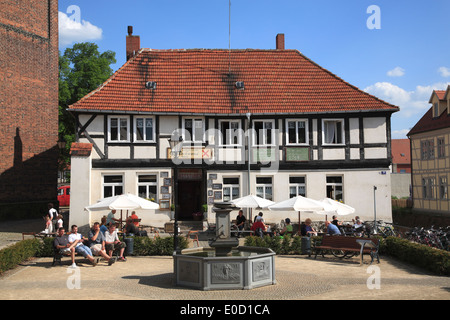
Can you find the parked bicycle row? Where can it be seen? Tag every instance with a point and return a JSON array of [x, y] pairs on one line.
[[432, 237]]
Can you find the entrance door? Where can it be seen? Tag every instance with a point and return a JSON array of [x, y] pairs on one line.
[[190, 192]]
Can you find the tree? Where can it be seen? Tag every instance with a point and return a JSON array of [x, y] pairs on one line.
[[82, 69]]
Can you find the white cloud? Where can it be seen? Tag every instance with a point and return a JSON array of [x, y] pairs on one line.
[[445, 72], [411, 103], [399, 134], [396, 72], [71, 31]]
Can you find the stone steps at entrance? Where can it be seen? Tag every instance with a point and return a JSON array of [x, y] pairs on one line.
[[190, 225]]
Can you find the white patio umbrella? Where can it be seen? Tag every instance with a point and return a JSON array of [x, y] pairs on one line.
[[337, 207], [252, 202], [123, 202], [299, 204]]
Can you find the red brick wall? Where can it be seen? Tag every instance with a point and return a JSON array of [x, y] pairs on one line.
[[28, 100]]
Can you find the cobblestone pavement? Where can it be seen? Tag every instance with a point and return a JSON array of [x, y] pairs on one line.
[[298, 278], [151, 278]]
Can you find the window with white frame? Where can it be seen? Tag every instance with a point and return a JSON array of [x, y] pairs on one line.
[[333, 131], [264, 188], [144, 129], [118, 129], [335, 188], [193, 129], [112, 185], [297, 187], [264, 132], [148, 187], [296, 131], [230, 132], [230, 189]]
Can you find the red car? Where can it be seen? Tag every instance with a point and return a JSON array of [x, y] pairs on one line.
[[64, 196]]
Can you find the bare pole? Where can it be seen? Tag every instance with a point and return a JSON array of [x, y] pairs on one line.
[[229, 36]]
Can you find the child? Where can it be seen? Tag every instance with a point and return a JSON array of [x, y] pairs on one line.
[[48, 225], [59, 222]]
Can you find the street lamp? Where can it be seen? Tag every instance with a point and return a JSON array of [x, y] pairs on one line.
[[374, 210], [248, 114], [176, 142]]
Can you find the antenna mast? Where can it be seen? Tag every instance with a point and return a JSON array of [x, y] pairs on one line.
[[229, 36]]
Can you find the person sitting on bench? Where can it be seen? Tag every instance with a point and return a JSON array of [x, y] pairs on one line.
[[113, 243], [97, 243], [62, 244], [80, 248]]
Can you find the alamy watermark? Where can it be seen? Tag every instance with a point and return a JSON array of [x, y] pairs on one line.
[[374, 21], [374, 280], [75, 13], [74, 280]]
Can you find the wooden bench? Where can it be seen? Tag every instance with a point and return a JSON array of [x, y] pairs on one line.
[[349, 244], [57, 255]]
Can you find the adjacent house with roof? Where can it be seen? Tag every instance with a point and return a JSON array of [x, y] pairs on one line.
[[430, 155], [305, 131], [401, 168]]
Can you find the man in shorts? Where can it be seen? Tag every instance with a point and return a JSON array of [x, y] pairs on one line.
[[62, 243], [77, 239], [113, 242], [97, 243]]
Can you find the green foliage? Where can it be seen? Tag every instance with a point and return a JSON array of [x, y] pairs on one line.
[[434, 260], [82, 69], [45, 247], [280, 245], [13, 255], [142, 246]]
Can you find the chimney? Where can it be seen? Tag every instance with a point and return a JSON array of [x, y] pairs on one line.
[[133, 44], [280, 41]]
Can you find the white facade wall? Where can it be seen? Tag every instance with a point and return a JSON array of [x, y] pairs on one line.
[[87, 182]]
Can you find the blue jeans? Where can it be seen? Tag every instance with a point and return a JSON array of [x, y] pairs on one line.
[[83, 250]]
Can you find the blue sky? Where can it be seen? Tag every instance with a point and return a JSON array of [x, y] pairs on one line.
[[400, 62]]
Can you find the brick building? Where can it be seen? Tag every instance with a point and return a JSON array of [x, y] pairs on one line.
[[28, 105]]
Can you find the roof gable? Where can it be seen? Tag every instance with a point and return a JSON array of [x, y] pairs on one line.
[[203, 81], [430, 123], [401, 151]]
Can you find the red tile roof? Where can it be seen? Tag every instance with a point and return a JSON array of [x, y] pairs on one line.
[[401, 151], [198, 81], [439, 93], [81, 149], [428, 123]]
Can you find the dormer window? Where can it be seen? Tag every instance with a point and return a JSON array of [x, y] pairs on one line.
[[436, 110]]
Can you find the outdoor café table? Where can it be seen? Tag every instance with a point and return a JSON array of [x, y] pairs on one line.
[[367, 243]]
